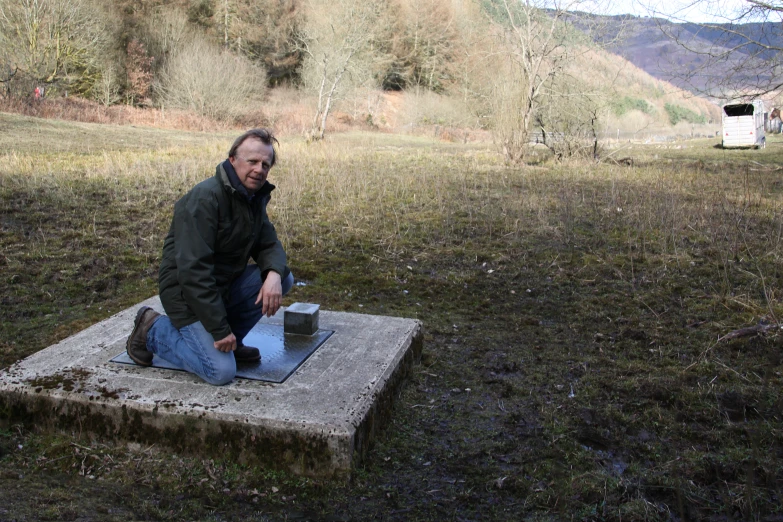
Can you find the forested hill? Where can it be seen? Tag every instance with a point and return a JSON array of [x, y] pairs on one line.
[[655, 45], [218, 58], [263, 30], [419, 44], [417, 39]]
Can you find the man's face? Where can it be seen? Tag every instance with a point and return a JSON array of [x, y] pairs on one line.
[[252, 163]]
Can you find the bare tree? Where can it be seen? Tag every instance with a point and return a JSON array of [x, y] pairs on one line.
[[422, 42], [163, 32], [570, 127], [107, 89], [336, 40], [738, 54], [226, 22], [264, 31], [7, 76], [541, 44], [54, 41]]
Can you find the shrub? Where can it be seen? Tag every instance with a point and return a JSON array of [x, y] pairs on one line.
[[211, 82], [139, 68], [627, 104]]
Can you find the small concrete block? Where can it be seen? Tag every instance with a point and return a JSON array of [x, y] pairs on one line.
[[301, 318]]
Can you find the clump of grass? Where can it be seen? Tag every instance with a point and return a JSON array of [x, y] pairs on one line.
[[573, 314]]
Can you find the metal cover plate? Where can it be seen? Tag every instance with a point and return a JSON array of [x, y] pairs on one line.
[[281, 353]]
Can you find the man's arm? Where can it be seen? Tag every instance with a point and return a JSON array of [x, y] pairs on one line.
[[271, 293], [270, 257]]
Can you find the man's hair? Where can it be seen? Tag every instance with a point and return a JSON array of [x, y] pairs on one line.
[[266, 137]]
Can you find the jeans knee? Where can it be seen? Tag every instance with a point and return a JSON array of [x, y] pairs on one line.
[[224, 369], [222, 375]]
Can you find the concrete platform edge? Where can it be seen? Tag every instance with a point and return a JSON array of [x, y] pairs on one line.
[[378, 415], [188, 433], [315, 449]]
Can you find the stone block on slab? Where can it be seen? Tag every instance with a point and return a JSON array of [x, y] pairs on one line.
[[301, 318]]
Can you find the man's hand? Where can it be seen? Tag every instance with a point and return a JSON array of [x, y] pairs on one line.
[[227, 344], [271, 294]]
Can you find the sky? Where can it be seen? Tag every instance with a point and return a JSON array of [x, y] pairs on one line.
[[707, 11]]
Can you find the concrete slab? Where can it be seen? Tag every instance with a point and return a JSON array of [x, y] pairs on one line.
[[319, 422]]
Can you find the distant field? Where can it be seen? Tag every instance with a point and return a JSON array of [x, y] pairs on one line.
[[573, 363], [24, 134]]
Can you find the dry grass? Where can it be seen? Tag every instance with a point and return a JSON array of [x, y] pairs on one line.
[[81, 110]]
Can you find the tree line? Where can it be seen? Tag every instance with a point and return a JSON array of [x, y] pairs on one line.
[[120, 51], [519, 66]]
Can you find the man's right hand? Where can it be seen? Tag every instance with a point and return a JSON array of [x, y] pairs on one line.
[[227, 344]]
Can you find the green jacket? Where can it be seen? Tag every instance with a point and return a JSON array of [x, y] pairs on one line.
[[215, 230]]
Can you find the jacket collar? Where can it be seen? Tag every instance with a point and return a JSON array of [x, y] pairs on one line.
[[231, 181]]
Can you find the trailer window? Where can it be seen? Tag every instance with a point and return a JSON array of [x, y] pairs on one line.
[[741, 109]]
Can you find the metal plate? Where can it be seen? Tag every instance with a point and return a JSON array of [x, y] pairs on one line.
[[281, 353]]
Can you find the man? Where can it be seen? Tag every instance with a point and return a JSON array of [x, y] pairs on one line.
[[211, 295]]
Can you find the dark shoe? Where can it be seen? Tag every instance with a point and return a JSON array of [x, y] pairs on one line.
[[246, 354], [137, 341]]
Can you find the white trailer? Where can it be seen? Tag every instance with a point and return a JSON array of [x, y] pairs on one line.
[[743, 125]]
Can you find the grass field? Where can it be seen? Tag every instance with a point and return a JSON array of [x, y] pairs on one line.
[[574, 363]]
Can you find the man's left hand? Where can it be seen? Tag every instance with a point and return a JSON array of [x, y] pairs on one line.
[[271, 294]]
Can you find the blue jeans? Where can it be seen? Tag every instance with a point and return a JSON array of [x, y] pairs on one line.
[[192, 348]]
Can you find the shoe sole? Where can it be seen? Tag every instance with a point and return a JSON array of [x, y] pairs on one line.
[[136, 324]]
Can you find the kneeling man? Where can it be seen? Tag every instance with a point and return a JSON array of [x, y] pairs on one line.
[[211, 295]]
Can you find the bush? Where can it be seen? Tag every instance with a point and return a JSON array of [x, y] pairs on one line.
[[213, 83], [627, 104], [201, 12], [678, 114]]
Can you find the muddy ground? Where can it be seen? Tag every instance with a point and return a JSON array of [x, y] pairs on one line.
[[574, 375]]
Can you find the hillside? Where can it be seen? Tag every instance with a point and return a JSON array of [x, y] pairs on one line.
[[649, 43], [200, 64], [639, 102]]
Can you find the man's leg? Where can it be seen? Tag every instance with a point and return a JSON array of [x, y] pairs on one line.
[[243, 312], [191, 348]]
